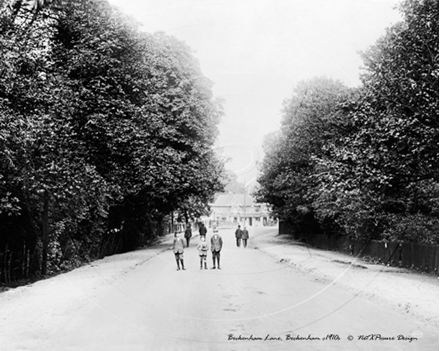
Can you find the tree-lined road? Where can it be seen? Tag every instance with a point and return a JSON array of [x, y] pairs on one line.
[[156, 307]]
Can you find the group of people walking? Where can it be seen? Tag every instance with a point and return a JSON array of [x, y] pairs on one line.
[[241, 235], [203, 247]]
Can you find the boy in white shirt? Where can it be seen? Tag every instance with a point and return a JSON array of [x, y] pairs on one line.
[[203, 251], [178, 246]]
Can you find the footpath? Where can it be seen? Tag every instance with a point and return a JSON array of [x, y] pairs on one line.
[[30, 314], [410, 292]]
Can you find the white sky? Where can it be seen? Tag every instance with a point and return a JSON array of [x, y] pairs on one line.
[[255, 52]]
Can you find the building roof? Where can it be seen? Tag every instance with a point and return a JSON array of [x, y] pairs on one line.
[[226, 200]]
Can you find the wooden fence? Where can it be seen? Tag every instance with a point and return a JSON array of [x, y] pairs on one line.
[[424, 258]]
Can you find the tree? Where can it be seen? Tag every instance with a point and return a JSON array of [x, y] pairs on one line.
[[45, 168], [288, 168], [231, 183], [383, 171], [401, 80], [106, 130]]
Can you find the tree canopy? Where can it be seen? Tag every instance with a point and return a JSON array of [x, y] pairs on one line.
[[364, 162], [110, 126]]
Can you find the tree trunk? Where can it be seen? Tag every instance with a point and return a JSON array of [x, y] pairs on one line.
[[45, 231], [185, 213]]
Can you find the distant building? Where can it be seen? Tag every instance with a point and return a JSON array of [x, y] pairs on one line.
[[239, 209]]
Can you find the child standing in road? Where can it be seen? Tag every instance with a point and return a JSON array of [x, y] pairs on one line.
[[178, 246], [203, 251]]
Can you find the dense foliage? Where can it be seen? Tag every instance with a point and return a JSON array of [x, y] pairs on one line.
[[364, 162], [104, 131]]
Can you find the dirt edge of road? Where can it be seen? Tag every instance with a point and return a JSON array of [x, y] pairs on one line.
[[408, 291]]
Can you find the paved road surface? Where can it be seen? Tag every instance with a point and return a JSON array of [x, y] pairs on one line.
[[157, 308]]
